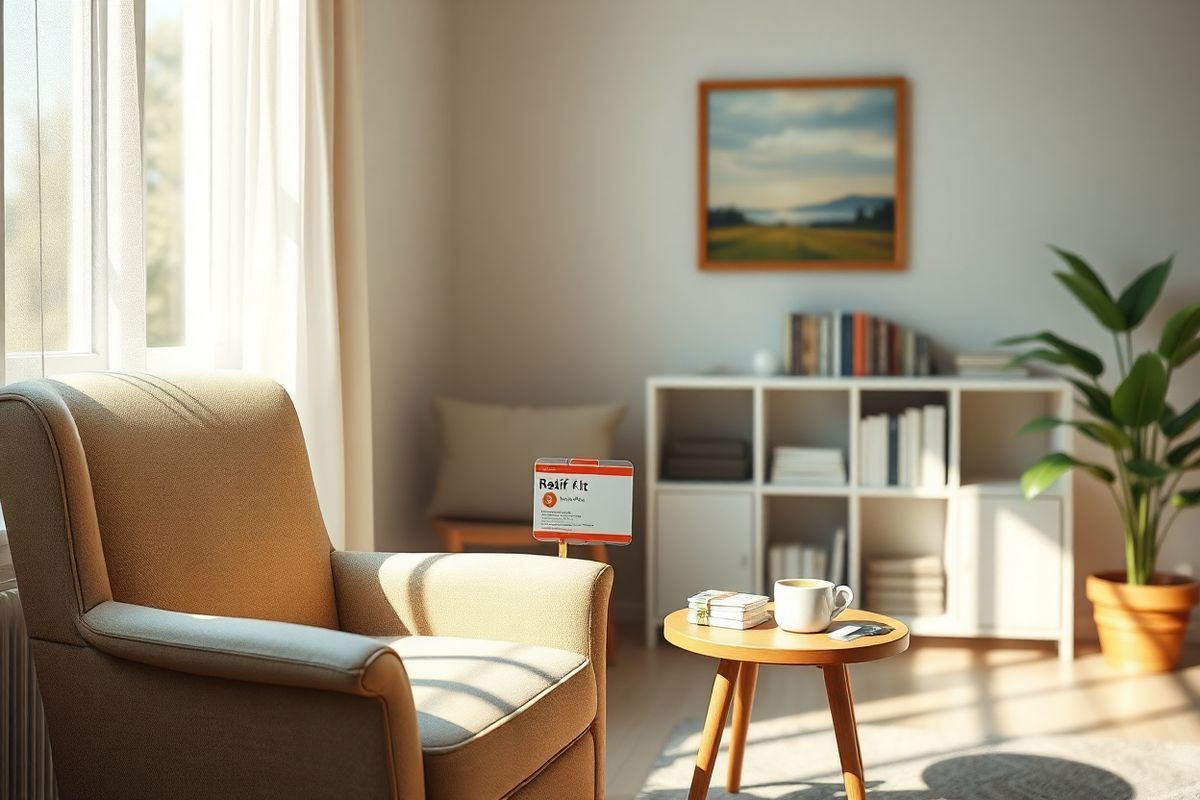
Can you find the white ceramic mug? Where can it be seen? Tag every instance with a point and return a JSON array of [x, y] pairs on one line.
[[808, 605]]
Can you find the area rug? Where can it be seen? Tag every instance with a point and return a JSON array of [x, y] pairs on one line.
[[787, 761]]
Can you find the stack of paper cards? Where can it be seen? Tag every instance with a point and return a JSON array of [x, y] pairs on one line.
[[719, 609]]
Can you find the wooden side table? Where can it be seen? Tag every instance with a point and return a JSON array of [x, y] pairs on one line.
[[741, 652], [458, 534]]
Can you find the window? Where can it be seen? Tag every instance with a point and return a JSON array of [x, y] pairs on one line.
[[163, 137], [66, 299], [49, 298]]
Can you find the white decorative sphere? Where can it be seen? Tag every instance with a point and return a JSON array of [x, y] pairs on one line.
[[765, 363]]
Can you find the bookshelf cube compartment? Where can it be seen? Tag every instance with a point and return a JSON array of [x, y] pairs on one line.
[[904, 527], [991, 451], [706, 414], [874, 469], [811, 522], [810, 419]]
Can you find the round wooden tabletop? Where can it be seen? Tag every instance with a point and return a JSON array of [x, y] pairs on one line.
[[770, 644]]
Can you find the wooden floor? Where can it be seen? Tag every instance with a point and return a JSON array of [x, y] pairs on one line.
[[984, 689]]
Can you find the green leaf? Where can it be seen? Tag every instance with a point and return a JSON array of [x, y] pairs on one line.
[[1038, 354], [1105, 434], [1149, 470], [1097, 400], [1184, 354], [1103, 307], [1177, 424], [1078, 357], [1042, 475], [1186, 499], [1080, 267], [1140, 296], [1098, 432], [1179, 454], [1179, 330], [1139, 399]]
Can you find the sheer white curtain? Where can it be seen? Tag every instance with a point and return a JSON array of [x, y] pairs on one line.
[[273, 181]]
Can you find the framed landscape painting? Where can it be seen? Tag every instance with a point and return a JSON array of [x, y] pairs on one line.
[[803, 174]]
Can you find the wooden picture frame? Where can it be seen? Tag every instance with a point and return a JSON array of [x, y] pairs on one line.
[[804, 169]]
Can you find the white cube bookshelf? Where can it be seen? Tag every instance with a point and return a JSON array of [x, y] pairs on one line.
[[1009, 564]]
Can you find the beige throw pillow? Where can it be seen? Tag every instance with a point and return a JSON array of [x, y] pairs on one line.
[[487, 452]]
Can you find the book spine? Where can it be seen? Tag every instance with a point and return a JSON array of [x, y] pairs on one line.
[[924, 358], [881, 348], [811, 345], [860, 343], [890, 329], [847, 342], [787, 344], [825, 349], [893, 444], [797, 327]]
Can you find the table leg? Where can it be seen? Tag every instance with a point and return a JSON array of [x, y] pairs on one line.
[[841, 708], [714, 725], [743, 700]]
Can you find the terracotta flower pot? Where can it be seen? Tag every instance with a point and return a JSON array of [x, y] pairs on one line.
[[1141, 627]]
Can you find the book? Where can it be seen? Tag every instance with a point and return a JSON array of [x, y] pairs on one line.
[[860, 343], [837, 557], [847, 345], [733, 624], [719, 599], [931, 604], [912, 450], [904, 583], [706, 469], [824, 346], [933, 446], [809, 345], [908, 565], [893, 447]]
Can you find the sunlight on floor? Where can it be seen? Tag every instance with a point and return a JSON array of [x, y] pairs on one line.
[[980, 691]]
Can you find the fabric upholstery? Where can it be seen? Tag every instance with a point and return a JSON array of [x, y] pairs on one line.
[[219, 461], [487, 453], [492, 713], [121, 730], [242, 649], [568, 777], [558, 602], [46, 493]]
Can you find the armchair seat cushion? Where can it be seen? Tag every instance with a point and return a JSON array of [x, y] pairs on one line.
[[492, 713]]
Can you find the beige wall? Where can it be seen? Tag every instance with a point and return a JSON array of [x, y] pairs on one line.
[[406, 100], [574, 181]]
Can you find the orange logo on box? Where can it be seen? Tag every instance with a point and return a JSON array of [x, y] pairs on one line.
[[549, 499]]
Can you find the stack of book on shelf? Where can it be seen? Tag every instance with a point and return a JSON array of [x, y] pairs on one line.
[[853, 344], [799, 560], [988, 365], [906, 449], [911, 587], [736, 610], [706, 460], [809, 466]]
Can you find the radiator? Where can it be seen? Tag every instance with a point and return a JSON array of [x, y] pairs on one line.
[[26, 770]]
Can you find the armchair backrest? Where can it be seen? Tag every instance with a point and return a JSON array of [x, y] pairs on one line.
[[188, 492]]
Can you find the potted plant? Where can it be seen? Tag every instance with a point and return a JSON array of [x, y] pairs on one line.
[[1141, 614]]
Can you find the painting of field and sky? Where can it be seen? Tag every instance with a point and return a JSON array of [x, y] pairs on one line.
[[802, 174]]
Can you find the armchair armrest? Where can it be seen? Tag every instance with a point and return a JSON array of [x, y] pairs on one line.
[[554, 602], [235, 648], [275, 653]]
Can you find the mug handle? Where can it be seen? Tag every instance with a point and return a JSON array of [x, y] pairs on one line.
[[843, 596]]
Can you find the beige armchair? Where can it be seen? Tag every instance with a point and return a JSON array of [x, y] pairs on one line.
[[195, 635]]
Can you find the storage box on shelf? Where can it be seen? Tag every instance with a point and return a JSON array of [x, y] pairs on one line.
[[966, 510]]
